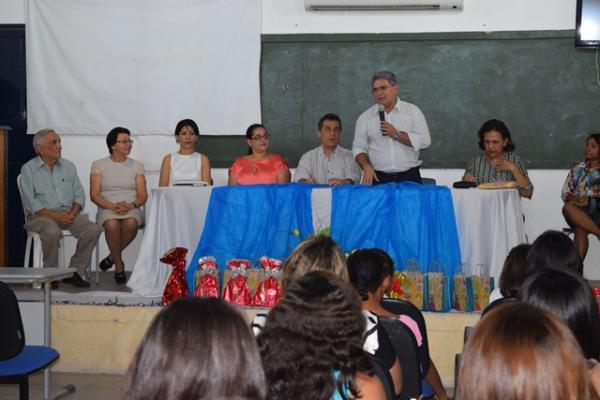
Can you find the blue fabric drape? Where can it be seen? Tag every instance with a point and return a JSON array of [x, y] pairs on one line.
[[413, 223], [253, 221]]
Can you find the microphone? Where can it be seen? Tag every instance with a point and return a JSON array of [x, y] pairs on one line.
[[381, 112]]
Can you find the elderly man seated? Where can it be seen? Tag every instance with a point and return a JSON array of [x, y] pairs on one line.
[[53, 199], [328, 164]]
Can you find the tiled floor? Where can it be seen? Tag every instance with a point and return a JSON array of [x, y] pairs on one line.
[[87, 386]]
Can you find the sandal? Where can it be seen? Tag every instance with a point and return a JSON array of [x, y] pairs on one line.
[[120, 277], [106, 264]]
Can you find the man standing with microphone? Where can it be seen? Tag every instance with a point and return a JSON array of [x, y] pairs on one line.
[[389, 135]]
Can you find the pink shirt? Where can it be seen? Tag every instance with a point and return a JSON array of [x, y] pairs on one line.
[[413, 326], [249, 172]]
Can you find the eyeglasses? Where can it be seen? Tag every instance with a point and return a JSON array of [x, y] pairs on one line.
[[130, 141], [381, 88], [258, 138]]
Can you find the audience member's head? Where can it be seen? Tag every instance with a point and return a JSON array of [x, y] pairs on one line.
[[553, 249], [521, 352], [370, 270], [514, 271], [571, 300], [196, 348], [314, 333], [318, 253]]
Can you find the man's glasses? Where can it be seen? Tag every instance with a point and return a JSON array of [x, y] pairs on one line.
[[130, 141], [258, 138]]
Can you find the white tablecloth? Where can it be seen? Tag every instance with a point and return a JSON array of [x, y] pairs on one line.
[[489, 222], [174, 217]]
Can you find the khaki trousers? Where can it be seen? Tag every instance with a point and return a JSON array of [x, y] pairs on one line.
[[85, 231]]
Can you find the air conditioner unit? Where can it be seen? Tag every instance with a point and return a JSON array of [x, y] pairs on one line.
[[382, 5]]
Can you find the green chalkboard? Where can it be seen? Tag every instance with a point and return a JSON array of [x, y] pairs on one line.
[[544, 88]]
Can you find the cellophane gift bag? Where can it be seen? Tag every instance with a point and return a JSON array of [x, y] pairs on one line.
[[479, 286], [207, 278], [268, 292], [236, 289], [176, 286], [437, 289], [408, 284], [459, 280]]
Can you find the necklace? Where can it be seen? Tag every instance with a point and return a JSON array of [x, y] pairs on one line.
[[253, 164]]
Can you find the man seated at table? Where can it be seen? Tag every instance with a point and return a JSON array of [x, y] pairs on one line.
[[53, 199], [328, 164]]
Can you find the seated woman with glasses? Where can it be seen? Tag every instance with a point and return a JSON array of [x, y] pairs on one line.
[[118, 188], [497, 162], [259, 166]]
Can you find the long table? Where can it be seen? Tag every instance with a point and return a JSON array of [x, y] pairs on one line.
[[489, 223]]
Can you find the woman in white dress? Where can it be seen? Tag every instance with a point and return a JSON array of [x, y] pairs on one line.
[[186, 165], [118, 188]]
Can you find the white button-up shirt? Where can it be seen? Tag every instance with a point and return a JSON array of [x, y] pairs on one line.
[[385, 153]]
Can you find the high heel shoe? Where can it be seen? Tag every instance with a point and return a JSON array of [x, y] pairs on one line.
[[106, 264], [120, 277]]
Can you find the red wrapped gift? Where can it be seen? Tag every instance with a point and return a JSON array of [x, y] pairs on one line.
[[268, 292], [208, 283], [176, 285], [237, 291]]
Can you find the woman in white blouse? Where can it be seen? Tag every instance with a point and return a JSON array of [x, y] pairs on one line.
[[186, 165]]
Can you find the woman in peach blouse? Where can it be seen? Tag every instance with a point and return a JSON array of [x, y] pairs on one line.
[[259, 166]]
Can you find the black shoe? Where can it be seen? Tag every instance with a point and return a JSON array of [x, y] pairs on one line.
[[106, 264], [77, 281], [120, 277]]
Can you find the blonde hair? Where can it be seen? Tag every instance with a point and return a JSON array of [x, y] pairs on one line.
[[318, 253]]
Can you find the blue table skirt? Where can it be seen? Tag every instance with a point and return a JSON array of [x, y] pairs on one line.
[[253, 221], [415, 224]]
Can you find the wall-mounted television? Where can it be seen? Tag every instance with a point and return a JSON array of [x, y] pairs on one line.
[[587, 24]]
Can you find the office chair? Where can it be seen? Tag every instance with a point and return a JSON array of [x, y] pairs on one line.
[[407, 351], [18, 361]]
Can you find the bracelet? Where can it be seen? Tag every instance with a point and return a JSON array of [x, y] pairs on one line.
[[134, 205]]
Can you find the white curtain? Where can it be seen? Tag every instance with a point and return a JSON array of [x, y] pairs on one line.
[[142, 64]]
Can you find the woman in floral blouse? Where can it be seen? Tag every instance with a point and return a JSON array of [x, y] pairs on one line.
[[581, 194]]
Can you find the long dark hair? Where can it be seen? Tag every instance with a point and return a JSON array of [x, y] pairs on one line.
[[514, 271], [570, 299], [196, 348], [315, 331], [553, 249]]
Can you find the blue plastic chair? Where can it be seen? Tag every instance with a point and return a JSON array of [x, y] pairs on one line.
[[18, 361]]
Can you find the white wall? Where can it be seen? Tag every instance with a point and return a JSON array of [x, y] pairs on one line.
[[289, 16]]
